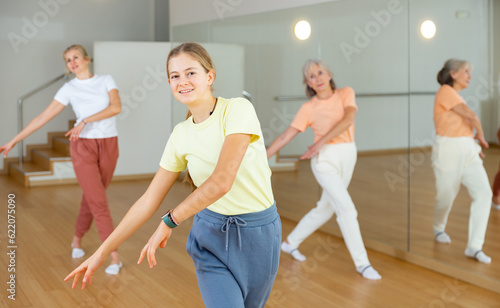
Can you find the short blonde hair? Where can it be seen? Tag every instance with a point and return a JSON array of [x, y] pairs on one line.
[[80, 48]]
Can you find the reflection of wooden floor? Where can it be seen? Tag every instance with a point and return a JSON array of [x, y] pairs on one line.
[[379, 189], [382, 212], [421, 237], [44, 228]]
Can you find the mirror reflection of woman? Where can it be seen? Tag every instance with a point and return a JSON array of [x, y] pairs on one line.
[[93, 143], [456, 158], [330, 113]]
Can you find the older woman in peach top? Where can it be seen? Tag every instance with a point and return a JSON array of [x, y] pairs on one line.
[[330, 113], [456, 158]]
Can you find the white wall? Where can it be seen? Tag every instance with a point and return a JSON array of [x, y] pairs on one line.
[[43, 29], [386, 57], [145, 121], [181, 12], [149, 111]]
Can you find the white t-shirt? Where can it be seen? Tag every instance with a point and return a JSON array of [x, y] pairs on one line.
[[88, 97]]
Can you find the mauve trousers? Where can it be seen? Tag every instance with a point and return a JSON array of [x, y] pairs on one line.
[[94, 161]]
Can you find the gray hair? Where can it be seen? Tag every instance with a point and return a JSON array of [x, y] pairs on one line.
[[305, 69], [444, 75]]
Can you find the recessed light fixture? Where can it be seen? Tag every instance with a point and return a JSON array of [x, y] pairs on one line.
[[302, 30], [428, 29]]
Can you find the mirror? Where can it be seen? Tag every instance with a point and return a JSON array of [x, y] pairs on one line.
[[375, 47], [474, 21]]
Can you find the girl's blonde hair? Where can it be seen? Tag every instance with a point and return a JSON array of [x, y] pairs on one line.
[[80, 48]]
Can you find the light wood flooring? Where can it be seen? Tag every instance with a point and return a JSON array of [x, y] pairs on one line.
[[45, 218], [391, 213], [394, 200]]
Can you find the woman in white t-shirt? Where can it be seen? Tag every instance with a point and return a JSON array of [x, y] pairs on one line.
[[93, 143]]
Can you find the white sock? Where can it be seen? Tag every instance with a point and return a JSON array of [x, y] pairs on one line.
[[495, 206], [288, 248], [113, 269], [478, 255], [442, 237], [77, 252], [368, 272]]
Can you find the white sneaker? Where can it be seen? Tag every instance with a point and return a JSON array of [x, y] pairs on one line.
[[77, 253], [113, 269], [293, 251], [495, 206]]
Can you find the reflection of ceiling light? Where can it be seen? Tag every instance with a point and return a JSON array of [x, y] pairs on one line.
[[428, 29], [302, 30]]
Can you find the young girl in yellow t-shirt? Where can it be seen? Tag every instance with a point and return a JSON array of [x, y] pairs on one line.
[[236, 233]]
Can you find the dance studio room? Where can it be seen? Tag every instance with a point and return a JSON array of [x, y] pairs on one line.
[[333, 188]]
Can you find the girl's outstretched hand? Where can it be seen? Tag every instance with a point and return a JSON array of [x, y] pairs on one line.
[[159, 238], [87, 270]]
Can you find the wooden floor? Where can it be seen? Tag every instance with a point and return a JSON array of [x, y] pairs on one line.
[[45, 220], [391, 213], [421, 206]]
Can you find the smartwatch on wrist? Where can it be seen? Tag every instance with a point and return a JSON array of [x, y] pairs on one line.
[[167, 219]]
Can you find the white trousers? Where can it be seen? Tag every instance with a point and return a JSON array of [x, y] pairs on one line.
[[333, 168], [456, 160]]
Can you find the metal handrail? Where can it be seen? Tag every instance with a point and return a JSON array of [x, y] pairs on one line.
[[20, 108], [247, 95], [301, 97]]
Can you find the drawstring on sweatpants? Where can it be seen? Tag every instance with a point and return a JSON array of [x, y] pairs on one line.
[[227, 225]]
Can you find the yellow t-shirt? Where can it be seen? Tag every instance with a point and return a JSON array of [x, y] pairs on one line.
[[448, 123], [197, 148], [323, 114]]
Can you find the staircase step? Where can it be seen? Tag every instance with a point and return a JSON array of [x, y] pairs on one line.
[[29, 168], [44, 164], [53, 155], [39, 159], [45, 157], [61, 144]]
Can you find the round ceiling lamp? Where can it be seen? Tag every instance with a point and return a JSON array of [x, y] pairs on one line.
[[428, 29], [302, 30]]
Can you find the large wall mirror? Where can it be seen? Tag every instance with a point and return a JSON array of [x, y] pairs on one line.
[[377, 48]]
